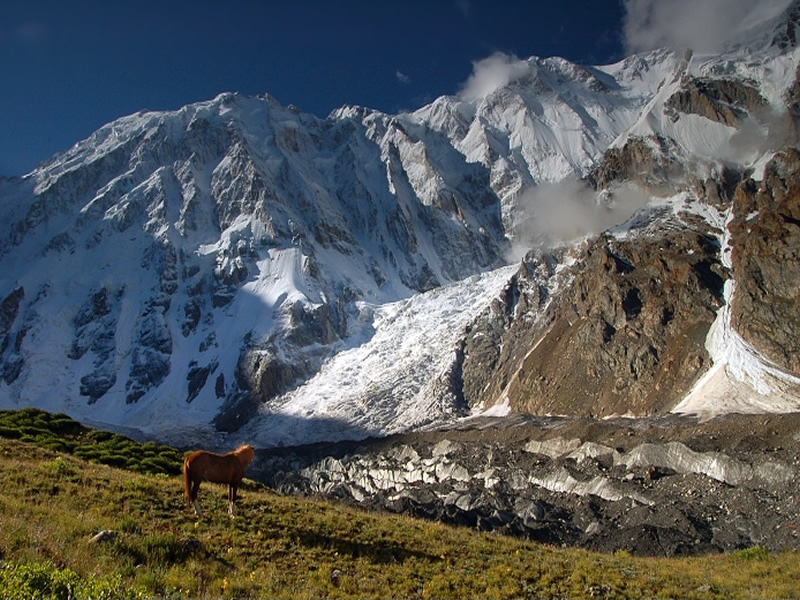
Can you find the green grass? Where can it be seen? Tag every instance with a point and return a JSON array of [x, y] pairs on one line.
[[283, 547]]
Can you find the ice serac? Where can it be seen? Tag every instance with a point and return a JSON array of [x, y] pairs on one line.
[[240, 266], [649, 486]]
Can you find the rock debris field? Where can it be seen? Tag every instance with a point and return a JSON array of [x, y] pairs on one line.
[[660, 486]]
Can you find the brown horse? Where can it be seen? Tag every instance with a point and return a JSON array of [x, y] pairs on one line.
[[217, 468]]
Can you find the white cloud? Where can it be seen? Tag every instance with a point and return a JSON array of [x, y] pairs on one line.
[[402, 77], [702, 25], [549, 214], [491, 73]]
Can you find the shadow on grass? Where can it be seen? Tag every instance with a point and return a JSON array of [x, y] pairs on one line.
[[376, 551]]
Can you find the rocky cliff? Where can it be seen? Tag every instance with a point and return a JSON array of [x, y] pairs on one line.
[[765, 236]]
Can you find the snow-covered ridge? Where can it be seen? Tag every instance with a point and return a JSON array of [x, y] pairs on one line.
[[244, 265]]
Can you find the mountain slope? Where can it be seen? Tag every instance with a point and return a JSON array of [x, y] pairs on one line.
[[282, 546]]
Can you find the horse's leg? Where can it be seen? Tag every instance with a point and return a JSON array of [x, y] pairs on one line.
[[232, 497], [195, 504]]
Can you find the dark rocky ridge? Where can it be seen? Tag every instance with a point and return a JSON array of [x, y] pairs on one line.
[[719, 100], [657, 486], [627, 336], [10, 342], [648, 162], [626, 332], [765, 235]]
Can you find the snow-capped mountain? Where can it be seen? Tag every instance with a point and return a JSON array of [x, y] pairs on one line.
[[241, 266]]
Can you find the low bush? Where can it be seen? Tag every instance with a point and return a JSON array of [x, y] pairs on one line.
[[35, 581], [60, 433]]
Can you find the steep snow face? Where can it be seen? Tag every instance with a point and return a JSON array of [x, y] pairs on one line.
[[147, 262], [551, 122], [727, 108]]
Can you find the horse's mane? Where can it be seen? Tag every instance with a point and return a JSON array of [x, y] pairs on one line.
[[245, 453]]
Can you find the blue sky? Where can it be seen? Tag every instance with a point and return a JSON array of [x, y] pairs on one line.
[[68, 67]]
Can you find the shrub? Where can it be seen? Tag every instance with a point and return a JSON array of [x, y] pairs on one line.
[[36, 581], [59, 433], [58, 466], [752, 553]]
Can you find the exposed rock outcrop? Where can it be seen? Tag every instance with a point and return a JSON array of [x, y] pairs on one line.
[[765, 236], [649, 162], [8, 314], [722, 100], [10, 337], [632, 339], [625, 336], [95, 331], [497, 341]]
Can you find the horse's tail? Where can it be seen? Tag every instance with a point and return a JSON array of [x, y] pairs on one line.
[[187, 483]]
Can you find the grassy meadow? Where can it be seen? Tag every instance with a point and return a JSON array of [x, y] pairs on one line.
[[62, 484]]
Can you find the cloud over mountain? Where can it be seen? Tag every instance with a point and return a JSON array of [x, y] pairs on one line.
[[703, 26], [491, 73]]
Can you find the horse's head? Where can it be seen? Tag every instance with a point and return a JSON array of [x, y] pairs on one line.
[[246, 453]]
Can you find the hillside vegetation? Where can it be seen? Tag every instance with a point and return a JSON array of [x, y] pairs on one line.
[[53, 502]]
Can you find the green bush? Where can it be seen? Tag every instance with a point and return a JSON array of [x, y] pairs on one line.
[[752, 553], [10, 432], [59, 433], [58, 466], [36, 581]]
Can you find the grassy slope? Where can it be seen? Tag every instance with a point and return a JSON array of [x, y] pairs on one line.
[[283, 547]]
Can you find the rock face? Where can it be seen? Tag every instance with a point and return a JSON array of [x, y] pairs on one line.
[[652, 487], [10, 344], [765, 235], [624, 335], [647, 161], [721, 100], [633, 326], [95, 326]]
